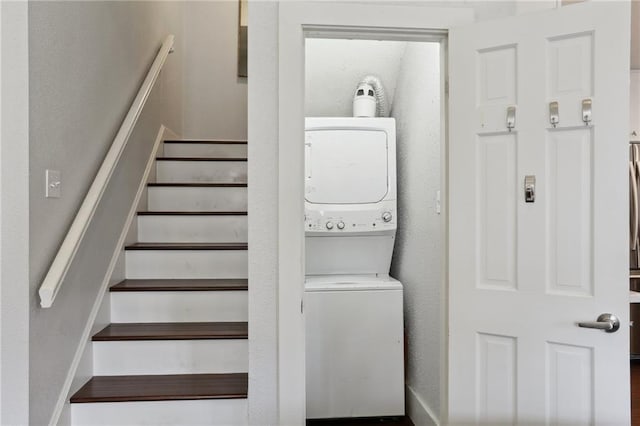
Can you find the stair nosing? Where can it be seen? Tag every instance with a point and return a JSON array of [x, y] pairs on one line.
[[215, 159], [108, 386], [175, 284], [151, 398], [207, 141], [196, 185], [187, 246], [191, 213], [172, 335]]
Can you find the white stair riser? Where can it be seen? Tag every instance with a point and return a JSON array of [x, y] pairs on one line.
[[192, 229], [170, 357], [179, 306], [212, 412], [205, 150], [197, 199], [201, 171], [150, 264]]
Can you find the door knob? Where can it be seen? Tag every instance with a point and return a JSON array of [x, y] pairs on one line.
[[607, 322]]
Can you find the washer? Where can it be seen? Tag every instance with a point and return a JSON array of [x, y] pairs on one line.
[[354, 347], [353, 309]]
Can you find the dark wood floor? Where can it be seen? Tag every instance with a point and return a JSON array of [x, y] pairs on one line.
[[635, 393], [401, 421]]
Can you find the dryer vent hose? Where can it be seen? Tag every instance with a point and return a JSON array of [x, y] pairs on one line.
[[381, 100]]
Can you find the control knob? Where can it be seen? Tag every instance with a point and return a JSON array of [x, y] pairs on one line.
[[329, 225], [386, 216], [340, 225]]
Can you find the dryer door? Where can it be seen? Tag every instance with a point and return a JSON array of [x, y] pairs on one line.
[[345, 166]]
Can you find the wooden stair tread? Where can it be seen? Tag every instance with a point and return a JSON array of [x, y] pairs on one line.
[[187, 246], [201, 158], [207, 141], [197, 184], [181, 285], [172, 331], [192, 213], [162, 388]]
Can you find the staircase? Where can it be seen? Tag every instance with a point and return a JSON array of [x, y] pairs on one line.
[[176, 350]]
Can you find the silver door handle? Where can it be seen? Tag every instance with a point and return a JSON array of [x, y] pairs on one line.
[[607, 322]]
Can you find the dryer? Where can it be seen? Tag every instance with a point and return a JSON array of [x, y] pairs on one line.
[[350, 195], [354, 310]]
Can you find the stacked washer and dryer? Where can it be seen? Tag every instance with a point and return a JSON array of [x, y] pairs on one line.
[[354, 312]]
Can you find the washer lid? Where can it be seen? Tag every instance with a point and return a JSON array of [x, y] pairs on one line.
[[345, 166], [350, 283]]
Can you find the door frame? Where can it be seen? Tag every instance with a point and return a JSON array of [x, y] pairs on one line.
[[329, 20]]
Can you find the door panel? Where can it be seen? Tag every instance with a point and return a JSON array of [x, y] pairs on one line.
[[496, 211], [569, 215], [496, 74], [521, 275], [497, 378], [570, 383]]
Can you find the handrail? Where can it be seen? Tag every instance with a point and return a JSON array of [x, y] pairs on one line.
[[61, 263]]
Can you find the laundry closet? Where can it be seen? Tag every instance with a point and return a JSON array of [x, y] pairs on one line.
[[406, 274]]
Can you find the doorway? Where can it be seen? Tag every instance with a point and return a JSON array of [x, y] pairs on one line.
[[412, 72], [297, 22]]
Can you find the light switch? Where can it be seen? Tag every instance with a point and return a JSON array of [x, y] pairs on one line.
[[54, 183]]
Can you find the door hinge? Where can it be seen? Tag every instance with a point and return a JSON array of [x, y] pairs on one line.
[[301, 306], [446, 87]]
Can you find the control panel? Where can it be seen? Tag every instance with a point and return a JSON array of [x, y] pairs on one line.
[[380, 218]]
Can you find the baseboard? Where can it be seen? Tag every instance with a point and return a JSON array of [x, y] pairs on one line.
[[64, 395], [418, 411]]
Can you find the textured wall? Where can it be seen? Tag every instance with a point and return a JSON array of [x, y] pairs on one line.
[[417, 259], [86, 63], [333, 68], [215, 98]]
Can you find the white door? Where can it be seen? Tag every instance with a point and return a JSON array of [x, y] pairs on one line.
[[521, 275]]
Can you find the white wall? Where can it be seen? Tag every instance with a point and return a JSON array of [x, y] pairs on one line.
[[635, 35], [417, 258], [86, 63], [215, 98], [14, 214], [333, 68]]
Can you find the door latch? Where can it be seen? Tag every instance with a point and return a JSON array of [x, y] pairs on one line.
[[529, 189], [511, 117], [586, 111], [554, 116]]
